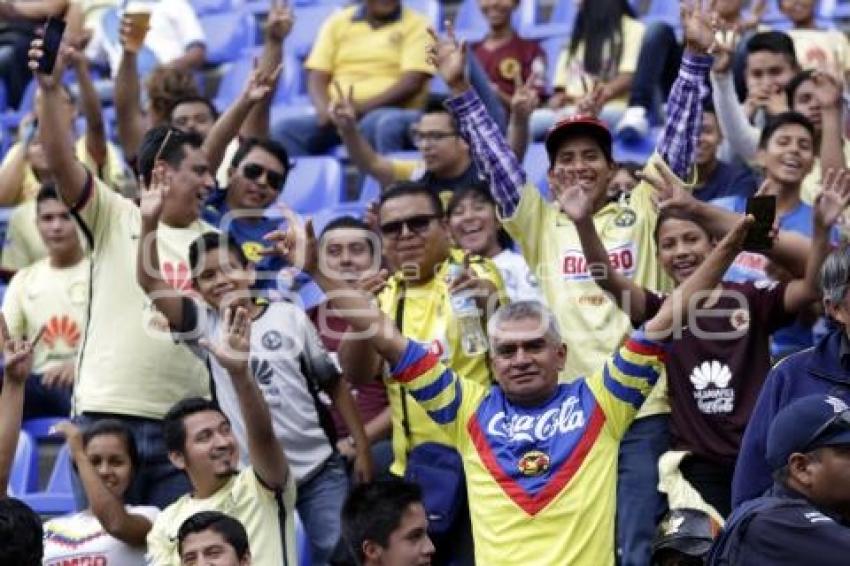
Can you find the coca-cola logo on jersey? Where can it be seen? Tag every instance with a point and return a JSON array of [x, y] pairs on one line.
[[622, 258], [538, 428]]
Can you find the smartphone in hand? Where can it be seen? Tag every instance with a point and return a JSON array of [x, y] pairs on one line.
[[53, 31], [763, 210]]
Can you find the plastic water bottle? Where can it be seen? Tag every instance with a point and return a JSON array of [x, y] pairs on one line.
[[472, 337]]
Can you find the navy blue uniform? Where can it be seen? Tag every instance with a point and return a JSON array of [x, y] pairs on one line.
[[781, 528]]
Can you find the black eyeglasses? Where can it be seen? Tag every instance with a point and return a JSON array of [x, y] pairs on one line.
[[254, 171], [840, 420], [419, 137], [416, 224]]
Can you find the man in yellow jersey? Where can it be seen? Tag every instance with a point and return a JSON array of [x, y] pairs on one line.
[[416, 244], [51, 293], [539, 456], [128, 366]]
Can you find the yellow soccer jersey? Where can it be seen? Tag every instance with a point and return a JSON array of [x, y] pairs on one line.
[[591, 323], [244, 498], [541, 480], [41, 295], [427, 317], [129, 363], [371, 60]]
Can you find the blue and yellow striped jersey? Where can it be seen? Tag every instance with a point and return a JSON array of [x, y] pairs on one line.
[[541, 480]]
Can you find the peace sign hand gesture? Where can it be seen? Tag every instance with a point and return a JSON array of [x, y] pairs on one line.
[[342, 111], [448, 55], [17, 354]]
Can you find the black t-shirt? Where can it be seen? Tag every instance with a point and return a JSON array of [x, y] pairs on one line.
[[445, 187], [716, 368]]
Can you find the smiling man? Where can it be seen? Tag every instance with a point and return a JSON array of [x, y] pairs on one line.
[[128, 368]]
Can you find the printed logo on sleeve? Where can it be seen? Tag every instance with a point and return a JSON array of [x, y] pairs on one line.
[[623, 258]]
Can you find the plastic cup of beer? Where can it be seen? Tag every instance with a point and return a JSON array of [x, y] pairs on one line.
[[139, 17]]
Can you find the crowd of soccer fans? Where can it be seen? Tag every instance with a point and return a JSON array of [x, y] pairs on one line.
[[519, 350]]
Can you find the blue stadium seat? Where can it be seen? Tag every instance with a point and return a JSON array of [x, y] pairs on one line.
[[39, 428], [560, 24], [23, 476], [536, 165], [552, 48], [228, 34], [302, 543], [203, 7], [428, 8], [313, 184], [58, 498], [665, 11], [324, 217], [639, 151], [236, 75], [308, 20]]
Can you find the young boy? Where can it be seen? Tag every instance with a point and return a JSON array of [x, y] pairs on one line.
[[821, 49], [503, 53], [287, 359]]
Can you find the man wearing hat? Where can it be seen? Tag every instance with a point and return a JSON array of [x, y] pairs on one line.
[[805, 517], [580, 152]]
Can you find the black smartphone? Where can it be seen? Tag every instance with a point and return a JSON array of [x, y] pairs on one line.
[[763, 210], [53, 31]]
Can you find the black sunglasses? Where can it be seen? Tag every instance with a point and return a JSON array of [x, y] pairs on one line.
[[840, 420], [416, 224], [254, 171]]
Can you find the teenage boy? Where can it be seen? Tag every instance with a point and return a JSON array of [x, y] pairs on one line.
[[287, 358]]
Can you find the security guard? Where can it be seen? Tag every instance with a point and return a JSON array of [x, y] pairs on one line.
[[805, 517]]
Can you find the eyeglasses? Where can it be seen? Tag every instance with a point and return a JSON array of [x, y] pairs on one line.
[[419, 137], [254, 171], [416, 224], [840, 420]]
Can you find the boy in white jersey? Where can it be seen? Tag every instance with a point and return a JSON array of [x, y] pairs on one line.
[[288, 361]]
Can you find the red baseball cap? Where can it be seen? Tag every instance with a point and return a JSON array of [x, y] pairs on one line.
[[578, 125]]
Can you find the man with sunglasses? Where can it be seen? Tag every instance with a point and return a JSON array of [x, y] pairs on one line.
[[805, 516], [256, 176], [416, 245]]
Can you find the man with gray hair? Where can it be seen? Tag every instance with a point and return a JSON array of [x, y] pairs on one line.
[[539, 456], [822, 369]]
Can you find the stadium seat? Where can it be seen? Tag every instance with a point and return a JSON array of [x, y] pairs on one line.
[[552, 47], [308, 20], [314, 183], [428, 8], [203, 7], [23, 476], [236, 74], [228, 34], [302, 543], [560, 24], [324, 217], [536, 165], [39, 428], [58, 498]]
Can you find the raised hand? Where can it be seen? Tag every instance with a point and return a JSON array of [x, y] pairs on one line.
[[343, 111], [592, 102], [296, 243], [279, 21], [17, 354], [833, 198], [153, 196], [448, 55], [480, 288], [777, 101], [72, 434], [372, 283], [525, 99], [670, 192], [828, 89], [734, 240], [234, 342], [724, 53], [36, 52], [260, 83], [700, 24], [756, 14], [573, 199]]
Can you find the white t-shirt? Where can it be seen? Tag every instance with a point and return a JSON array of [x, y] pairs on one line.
[[174, 27], [520, 283], [80, 539], [285, 352]]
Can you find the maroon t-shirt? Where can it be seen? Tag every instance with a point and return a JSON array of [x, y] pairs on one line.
[[370, 398], [501, 63], [715, 370]]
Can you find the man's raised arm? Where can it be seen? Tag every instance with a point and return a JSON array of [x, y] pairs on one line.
[[71, 176]]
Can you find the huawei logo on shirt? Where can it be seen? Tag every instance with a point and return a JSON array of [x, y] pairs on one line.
[[711, 388], [177, 275], [61, 328]]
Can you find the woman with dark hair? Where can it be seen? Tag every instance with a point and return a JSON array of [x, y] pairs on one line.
[[601, 55], [475, 228], [109, 531]]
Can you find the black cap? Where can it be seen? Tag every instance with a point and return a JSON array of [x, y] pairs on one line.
[[688, 531]]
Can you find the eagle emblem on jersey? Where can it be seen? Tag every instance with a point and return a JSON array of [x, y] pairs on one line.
[[533, 463], [626, 218]]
